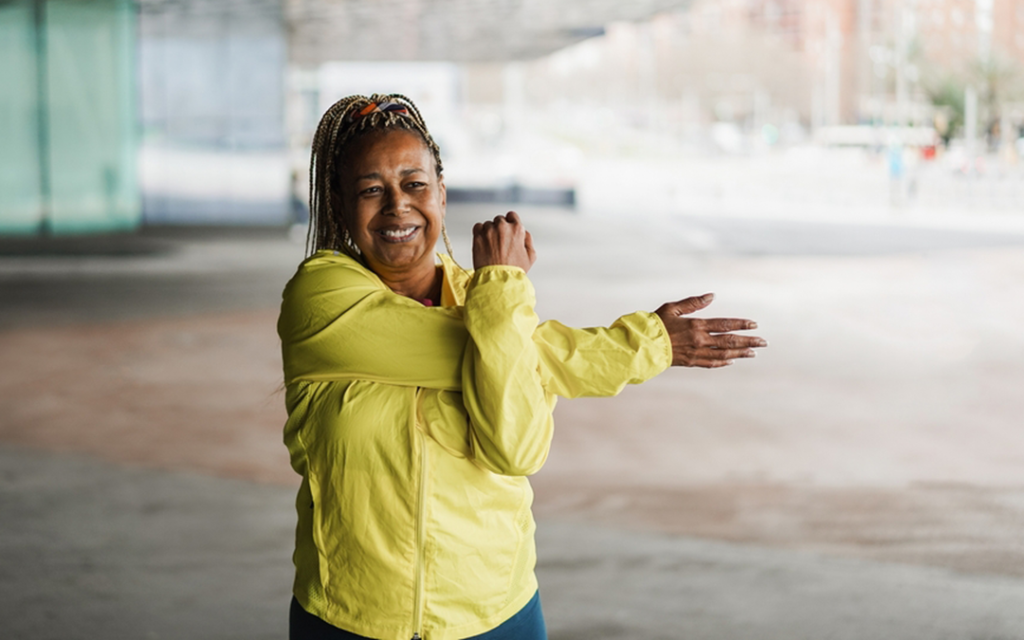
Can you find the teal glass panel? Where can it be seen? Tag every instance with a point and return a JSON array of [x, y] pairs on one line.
[[20, 192], [91, 115]]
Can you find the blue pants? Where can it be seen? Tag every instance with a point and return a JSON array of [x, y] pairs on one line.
[[527, 624]]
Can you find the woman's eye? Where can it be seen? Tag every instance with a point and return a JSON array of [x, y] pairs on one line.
[[370, 191], [416, 185]]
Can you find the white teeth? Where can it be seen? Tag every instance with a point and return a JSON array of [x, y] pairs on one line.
[[399, 233]]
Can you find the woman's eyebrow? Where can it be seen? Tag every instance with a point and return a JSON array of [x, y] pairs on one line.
[[377, 176]]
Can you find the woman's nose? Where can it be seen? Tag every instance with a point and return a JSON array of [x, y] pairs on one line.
[[396, 202]]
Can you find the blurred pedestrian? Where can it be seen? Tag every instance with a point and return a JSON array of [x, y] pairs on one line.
[[896, 171], [298, 212], [420, 395]]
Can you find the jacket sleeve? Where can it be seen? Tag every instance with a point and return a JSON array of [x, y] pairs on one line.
[[601, 361], [509, 410], [338, 322]]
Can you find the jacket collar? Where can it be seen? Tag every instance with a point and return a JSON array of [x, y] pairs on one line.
[[456, 280]]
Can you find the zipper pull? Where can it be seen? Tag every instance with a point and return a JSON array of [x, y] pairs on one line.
[[415, 636]]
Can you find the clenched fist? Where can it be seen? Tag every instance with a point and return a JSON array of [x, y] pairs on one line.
[[503, 240]]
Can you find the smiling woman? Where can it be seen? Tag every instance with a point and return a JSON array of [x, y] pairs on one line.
[[420, 395]]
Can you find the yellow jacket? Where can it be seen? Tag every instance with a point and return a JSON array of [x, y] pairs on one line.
[[413, 429]]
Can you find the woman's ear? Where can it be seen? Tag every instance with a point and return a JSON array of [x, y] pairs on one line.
[[444, 193]]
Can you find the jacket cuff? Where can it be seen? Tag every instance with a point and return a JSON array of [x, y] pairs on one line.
[[500, 272], [659, 333], [500, 296]]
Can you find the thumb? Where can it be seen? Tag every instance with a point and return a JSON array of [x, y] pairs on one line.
[[691, 305], [530, 251]]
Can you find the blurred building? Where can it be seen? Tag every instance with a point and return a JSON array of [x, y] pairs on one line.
[[816, 62], [953, 32], [115, 113]]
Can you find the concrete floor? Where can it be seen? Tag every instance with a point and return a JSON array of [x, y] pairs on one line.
[[863, 477], [94, 550]]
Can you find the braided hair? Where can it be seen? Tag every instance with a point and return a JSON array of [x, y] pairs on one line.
[[347, 120]]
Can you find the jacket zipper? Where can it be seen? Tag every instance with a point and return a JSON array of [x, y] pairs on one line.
[[417, 619]]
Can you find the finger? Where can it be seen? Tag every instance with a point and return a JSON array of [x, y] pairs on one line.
[[499, 220], [706, 353], [711, 364], [512, 217], [478, 228], [530, 251], [722, 325], [690, 305], [734, 341]]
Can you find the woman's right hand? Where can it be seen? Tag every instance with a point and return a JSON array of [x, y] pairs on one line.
[[709, 343], [503, 241]]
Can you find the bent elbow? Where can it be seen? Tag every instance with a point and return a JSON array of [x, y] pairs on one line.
[[521, 457], [514, 467], [525, 466]]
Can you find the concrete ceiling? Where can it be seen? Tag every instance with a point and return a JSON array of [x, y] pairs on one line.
[[450, 30]]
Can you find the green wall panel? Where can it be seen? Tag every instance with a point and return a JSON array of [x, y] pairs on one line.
[[82, 151], [20, 189], [91, 116]]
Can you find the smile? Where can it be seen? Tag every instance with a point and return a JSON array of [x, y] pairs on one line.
[[398, 235]]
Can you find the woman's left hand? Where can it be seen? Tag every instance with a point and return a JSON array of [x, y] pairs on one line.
[[503, 241], [708, 343]]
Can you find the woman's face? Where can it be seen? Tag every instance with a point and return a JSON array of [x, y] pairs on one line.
[[393, 202]]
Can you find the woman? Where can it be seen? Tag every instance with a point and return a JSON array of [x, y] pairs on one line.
[[420, 395]]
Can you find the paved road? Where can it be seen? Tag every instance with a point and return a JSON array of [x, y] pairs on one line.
[[862, 478], [92, 550]]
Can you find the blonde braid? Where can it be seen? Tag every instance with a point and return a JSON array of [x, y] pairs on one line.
[[448, 245], [323, 227]]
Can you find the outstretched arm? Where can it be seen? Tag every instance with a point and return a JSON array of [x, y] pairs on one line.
[[338, 322], [601, 361]]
